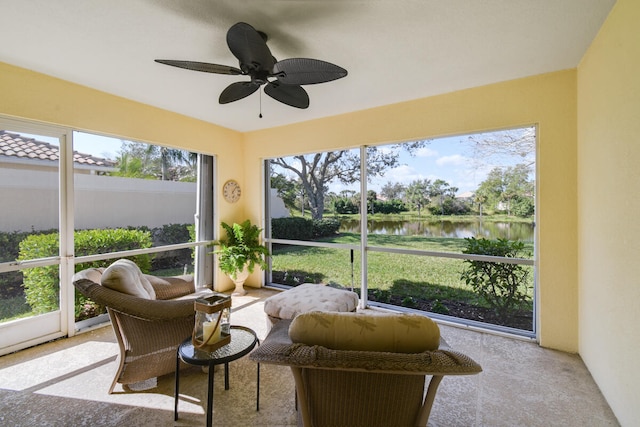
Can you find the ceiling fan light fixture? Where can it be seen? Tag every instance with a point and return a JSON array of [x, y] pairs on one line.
[[256, 61]]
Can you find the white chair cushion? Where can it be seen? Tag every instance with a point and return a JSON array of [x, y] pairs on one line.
[[398, 333], [309, 297], [125, 276]]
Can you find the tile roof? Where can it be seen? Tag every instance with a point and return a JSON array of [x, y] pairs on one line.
[[16, 145]]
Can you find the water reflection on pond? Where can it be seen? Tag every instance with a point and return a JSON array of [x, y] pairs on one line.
[[475, 228]]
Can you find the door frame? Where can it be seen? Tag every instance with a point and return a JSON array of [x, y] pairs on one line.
[[22, 333]]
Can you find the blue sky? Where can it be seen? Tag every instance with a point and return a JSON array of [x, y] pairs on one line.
[[97, 145], [449, 158]]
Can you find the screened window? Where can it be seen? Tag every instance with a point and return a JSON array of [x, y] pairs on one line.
[[74, 200], [449, 225]]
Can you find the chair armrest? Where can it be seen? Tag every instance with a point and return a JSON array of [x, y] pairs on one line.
[[171, 287], [278, 349], [134, 306]]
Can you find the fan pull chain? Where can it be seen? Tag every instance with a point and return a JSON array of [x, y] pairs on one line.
[[260, 115]]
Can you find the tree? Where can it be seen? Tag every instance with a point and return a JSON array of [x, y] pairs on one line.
[[417, 194], [517, 185], [440, 190], [372, 198], [507, 185], [492, 187], [287, 189], [393, 190], [170, 158], [316, 171], [147, 161], [513, 143], [131, 167], [480, 198]]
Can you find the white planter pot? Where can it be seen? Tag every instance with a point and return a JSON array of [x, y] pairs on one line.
[[239, 279]]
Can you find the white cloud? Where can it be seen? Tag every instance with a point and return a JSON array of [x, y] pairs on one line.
[[402, 173], [426, 152], [454, 160]]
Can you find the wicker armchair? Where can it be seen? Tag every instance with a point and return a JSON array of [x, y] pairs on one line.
[[361, 388], [148, 331]]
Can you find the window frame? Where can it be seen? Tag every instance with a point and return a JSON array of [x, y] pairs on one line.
[[365, 248], [66, 326]]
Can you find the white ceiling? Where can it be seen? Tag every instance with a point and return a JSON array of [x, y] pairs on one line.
[[394, 50]]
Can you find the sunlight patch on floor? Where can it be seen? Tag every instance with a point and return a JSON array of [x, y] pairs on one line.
[[51, 368]]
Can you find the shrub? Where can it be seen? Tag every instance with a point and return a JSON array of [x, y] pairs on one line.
[[325, 227], [294, 228], [439, 307], [380, 295], [523, 206], [10, 245], [503, 286], [409, 301], [172, 233], [42, 284], [450, 207], [345, 206], [392, 206]]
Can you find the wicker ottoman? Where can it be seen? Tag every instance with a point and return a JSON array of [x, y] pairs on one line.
[[308, 297]]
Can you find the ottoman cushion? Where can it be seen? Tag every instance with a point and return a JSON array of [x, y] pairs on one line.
[[309, 297]]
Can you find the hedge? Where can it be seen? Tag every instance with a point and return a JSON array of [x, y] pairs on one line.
[[296, 228], [42, 284]]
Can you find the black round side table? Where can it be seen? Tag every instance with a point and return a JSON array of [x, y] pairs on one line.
[[243, 340]]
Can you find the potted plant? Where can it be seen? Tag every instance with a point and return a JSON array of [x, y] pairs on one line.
[[239, 253]]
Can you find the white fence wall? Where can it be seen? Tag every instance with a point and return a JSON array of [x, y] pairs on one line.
[[29, 200]]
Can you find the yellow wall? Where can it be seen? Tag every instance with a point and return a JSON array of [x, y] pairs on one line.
[[34, 96], [588, 232], [608, 206], [547, 100]]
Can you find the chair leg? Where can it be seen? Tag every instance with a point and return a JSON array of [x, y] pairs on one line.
[[425, 411], [114, 382], [115, 324], [301, 401], [176, 392]]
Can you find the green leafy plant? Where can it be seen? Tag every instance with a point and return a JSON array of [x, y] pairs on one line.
[[502, 285], [42, 284], [240, 249], [381, 295], [439, 307], [297, 228], [409, 301]]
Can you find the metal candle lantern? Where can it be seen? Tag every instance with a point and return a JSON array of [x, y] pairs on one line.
[[213, 320]]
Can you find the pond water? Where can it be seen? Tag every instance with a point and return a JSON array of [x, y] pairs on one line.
[[474, 228]]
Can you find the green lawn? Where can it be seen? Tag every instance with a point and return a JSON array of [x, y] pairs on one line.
[[407, 275]]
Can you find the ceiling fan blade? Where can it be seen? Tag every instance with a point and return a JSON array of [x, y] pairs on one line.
[[292, 95], [306, 71], [201, 66], [249, 47], [236, 91]]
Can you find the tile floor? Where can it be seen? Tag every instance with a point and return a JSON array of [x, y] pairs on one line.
[[65, 383]]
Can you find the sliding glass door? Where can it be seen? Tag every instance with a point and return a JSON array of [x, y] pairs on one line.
[[32, 302], [72, 200]]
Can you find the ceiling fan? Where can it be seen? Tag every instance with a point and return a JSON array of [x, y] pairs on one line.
[[282, 79]]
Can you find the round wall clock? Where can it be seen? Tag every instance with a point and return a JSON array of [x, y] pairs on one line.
[[231, 191]]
